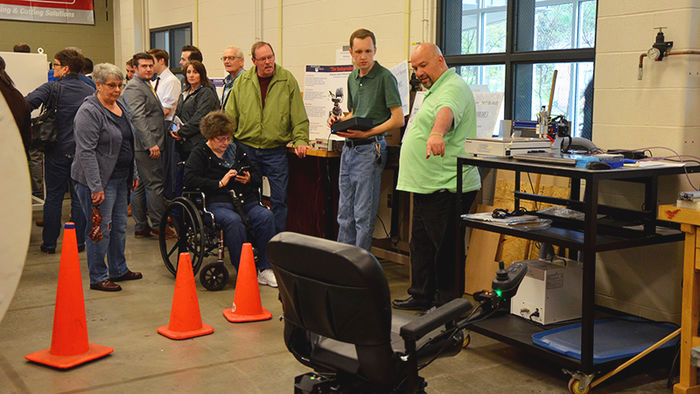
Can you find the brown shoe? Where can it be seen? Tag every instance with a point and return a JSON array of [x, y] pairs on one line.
[[145, 233], [105, 285], [169, 232], [130, 275], [39, 222]]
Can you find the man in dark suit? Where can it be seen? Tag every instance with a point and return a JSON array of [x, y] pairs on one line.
[[148, 118]]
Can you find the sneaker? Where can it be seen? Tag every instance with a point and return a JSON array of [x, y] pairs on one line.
[[267, 277]]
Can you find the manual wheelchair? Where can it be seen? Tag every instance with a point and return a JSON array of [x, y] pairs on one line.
[[197, 232]]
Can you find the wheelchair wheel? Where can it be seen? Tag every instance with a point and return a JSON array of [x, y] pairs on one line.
[[186, 222], [214, 276]]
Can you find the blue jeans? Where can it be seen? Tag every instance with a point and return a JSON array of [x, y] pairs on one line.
[[114, 213], [261, 221], [274, 165], [359, 184], [57, 181]]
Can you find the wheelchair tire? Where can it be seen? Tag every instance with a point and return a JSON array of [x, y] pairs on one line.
[[186, 222], [214, 276]]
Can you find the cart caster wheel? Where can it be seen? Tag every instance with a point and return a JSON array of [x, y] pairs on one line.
[[467, 340], [575, 387], [213, 276]]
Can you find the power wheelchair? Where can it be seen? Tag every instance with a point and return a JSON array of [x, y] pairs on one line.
[[197, 232], [339, 322]]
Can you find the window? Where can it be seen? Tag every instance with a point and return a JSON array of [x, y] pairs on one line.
[[514, 46], [171, 39]]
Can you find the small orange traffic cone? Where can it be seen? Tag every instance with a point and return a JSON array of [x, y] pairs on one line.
[[69, 340], [246, 297], [185, 318]]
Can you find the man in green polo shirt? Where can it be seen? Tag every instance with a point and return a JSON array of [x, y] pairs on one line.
[[372, 93], [428, 169]]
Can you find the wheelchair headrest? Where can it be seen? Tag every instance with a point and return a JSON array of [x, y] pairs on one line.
[[332, 289]]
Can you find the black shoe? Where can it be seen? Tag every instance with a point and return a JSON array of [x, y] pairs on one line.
[[47, 249], [81, 248], [412, 304]]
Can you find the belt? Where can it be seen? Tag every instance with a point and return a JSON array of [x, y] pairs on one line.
[[350, 142]]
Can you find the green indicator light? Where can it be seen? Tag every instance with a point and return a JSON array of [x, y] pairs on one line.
[[498, 292]]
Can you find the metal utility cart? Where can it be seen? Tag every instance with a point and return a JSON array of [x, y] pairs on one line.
[[588, 236]]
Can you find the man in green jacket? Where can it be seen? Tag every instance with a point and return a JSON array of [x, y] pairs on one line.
[[267, 109]]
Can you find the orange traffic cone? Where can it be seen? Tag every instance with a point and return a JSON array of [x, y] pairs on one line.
[[69, 340], [185, 318], [246, 297]]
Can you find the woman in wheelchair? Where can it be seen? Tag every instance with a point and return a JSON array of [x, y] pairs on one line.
[[231, 187]]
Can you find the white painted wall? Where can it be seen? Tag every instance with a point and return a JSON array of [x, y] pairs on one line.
[[659, 110], [306, 31]]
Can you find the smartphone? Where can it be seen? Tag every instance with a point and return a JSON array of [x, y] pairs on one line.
[[173, 127]]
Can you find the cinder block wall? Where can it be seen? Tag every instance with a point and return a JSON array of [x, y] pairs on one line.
[[659, 110]]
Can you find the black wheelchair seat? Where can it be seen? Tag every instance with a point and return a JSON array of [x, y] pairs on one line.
[[339, 321]]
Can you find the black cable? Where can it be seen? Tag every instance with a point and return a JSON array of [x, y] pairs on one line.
[[384, 227], [533, 189]]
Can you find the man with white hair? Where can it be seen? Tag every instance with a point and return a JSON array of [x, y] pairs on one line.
[[428, 169], [233, 64]]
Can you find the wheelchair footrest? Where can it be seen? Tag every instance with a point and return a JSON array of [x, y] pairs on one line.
[[311, 383]]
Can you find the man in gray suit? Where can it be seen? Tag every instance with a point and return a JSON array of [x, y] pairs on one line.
[[148, 119]]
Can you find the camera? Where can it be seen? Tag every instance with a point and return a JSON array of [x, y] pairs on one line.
[[336, 98]]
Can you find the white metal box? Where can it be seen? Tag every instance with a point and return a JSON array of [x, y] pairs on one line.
[[505, 146], [550, 292]]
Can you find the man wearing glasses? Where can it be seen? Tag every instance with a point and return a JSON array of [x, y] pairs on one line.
[[266, 106], [59, 156], [233, 64]]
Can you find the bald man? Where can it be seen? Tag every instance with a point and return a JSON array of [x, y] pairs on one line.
[[233, 64], [428, 169]]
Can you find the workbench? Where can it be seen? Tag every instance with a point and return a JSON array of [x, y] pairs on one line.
[[690, 225]]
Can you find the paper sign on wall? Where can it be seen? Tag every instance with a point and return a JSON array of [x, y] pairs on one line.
[[488, 111], [400, 72]]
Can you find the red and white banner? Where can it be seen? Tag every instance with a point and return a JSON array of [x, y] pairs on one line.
[[54, 11]]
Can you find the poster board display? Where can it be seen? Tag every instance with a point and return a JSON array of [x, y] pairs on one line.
[[320, 83]]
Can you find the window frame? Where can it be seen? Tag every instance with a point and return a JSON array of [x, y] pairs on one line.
[[170, 29], [511, 57]]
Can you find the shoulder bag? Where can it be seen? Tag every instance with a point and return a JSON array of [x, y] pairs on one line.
[[44, 126]]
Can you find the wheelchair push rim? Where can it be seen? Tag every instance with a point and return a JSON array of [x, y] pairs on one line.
[[184, 219]]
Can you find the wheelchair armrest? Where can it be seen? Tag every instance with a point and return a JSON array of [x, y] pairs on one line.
[[451, 311]]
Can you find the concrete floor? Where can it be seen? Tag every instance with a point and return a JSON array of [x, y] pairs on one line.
[[240, 358]]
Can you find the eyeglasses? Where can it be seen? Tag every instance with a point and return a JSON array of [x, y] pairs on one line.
[[56, 64], [114, 85], [225, 58], [266, 58], [223, 139]]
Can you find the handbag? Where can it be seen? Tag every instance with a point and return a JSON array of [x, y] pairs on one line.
[[44, 127]]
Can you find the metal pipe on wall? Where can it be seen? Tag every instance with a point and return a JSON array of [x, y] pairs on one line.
[[426, 21], [258, 20]]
